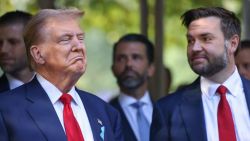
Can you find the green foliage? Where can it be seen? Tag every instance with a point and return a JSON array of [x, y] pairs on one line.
[[5, 5]]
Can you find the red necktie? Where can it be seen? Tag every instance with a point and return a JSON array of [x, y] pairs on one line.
[[71, 126], [225, 120]]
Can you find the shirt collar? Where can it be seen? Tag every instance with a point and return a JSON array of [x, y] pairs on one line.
[[13, 82], [233, 84], [126, 100], [53, 92]]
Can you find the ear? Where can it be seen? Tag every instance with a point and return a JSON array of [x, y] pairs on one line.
[[234, 42], [151, 70], [36, 54]]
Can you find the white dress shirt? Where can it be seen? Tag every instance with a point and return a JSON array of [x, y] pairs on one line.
[[237, 101], [130, 112], [76, 104], [13, 82]]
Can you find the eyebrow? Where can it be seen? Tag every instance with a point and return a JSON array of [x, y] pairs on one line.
[[81, 33], [202, 34]]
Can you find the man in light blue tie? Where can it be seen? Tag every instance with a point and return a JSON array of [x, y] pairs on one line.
[[133, 57]]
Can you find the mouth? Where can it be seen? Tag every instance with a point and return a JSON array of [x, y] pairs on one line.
[[5, 60], [198, 58], [129, 74], [77, 58]]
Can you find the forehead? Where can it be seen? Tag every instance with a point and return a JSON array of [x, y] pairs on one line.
[[244, 52], [131, 47], [56, 25], [205, 25], [16, 27], [12, 30]]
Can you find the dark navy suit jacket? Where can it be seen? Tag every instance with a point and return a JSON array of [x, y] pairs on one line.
[[180, 116], [26, 114], [4, 84], [128, 132]]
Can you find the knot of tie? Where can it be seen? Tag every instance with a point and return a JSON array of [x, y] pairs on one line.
[[66, 99], [137, 105], [222, 90]]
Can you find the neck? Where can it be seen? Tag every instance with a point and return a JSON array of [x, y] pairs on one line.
[[137, 93], [63, 82], [223, 75], [24, 75]]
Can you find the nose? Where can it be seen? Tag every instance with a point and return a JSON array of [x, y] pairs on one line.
[[4, 47], [197, 46], [77, 44], [129, 62]]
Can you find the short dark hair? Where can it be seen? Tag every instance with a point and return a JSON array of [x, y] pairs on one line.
[[230, 24], [14, 17], [244, 44], [134, 37]]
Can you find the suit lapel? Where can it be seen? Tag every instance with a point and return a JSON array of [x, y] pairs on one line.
[[192, 113], [246, 87], [42, 112], [95, 122], [4, 83], [128, 134]]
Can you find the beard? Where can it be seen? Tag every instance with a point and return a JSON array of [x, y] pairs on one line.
[[14, 67], [214, 65], [130, 79]]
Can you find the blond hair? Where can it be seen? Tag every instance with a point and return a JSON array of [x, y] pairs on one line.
[[34, 31]]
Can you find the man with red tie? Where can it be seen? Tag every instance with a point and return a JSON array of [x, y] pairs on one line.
[[216, 106], [50, 107]]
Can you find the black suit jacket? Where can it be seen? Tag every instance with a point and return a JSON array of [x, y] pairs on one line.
[[127, 130], [180, 116], [4, 84]]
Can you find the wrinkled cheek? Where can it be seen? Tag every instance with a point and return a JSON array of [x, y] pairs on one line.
[[82, 65]]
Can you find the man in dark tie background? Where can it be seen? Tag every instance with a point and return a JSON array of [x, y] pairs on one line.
[[216, 106], [133, 57], [50, 108], [13, 58]]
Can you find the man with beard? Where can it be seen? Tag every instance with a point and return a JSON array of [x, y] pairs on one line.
[[133, 57], [216, 106], [13, 60]]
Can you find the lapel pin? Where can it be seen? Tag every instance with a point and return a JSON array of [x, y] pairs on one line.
[[99, 121]]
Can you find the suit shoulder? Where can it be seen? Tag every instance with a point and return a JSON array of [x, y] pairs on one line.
[[114, 101], [90, 96], [17, 91], [4, 84], [94, 100], [173, 99], [175, 96]]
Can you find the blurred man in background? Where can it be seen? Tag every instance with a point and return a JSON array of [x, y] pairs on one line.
[[133, 57], [242, 59], [13, 58]]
